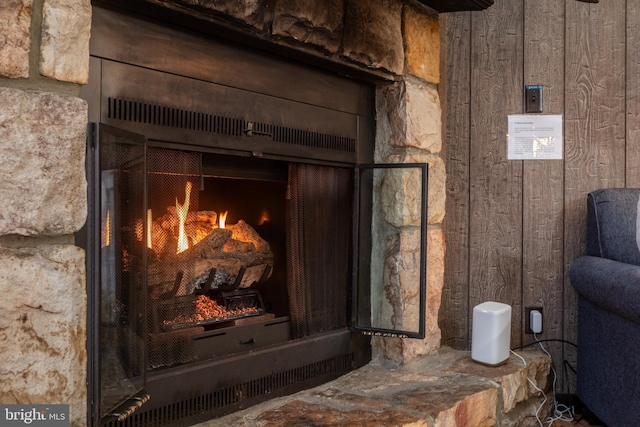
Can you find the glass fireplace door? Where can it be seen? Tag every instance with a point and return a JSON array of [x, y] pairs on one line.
[[390, 261], [117, 265]]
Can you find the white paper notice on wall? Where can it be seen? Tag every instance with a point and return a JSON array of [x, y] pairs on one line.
[[536, 137]]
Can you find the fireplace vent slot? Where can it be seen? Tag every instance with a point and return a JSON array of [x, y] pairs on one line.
[[313, 139], [142, 112], [204, 406], [146, 113]]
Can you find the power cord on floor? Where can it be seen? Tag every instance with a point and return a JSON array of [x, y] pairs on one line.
[[524, 362], [545, 340], [566, 366], [560, 412]]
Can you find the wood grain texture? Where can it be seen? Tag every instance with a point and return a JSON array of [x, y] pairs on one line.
[[526, 220], [633, 94], [455, 49], [495, 226], [594, 125], [542, 192]]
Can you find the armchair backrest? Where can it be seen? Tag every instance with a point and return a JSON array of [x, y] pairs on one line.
[[613, 224]]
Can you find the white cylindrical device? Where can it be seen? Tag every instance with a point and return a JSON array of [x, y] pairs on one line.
[[491, 333]]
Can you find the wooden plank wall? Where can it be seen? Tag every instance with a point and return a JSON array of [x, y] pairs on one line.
[[514, 227]]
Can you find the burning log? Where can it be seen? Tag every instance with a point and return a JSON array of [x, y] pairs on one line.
[[198, 225], [243, 232], [225, 250]]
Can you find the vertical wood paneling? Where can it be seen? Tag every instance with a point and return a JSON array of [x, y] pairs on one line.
[[526, 220], [455, 29], [633, 93], [542, 193], [495, 242], [594, 124]]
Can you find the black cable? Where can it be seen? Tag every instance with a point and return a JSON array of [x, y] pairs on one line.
[[547, 340], [565, 365], [565, 371], [571, 367]]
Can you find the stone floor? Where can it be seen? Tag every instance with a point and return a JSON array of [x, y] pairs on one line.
[[444, 390]]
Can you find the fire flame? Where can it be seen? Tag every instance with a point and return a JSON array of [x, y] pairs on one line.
[[188, 228], [149, 219], [265, 217], [181, 212], [223, 219], [106, 231], [138, 229]]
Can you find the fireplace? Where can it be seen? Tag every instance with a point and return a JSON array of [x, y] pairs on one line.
[[205, 245], [238, 233]]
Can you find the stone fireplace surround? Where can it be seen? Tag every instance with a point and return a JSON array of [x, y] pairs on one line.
[[44, 58]]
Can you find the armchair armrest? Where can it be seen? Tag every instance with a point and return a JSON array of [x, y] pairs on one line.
[[612, 285]]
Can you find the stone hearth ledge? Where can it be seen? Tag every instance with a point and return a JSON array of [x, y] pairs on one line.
[[446, 389]]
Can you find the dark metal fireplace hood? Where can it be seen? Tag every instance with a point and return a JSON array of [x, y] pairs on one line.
[[256, 95]]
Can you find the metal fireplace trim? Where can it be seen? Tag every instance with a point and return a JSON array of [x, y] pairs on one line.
[[363, 316], [221, 386], [263, 101], [145, 113], [280, 368]]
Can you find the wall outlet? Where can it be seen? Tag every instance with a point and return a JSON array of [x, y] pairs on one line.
[[527, 319]]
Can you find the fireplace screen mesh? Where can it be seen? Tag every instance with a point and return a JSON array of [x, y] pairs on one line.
[[152, 197], [203, 271], [173, 179], [318, 274]]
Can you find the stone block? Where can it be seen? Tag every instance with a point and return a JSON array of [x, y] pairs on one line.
[[524, 414], [315, 23], [437, 181], [249, 12], [422, 45], [402, 296], [64, 48], [15, 40], [437, 190], [400, 196], [478, 410], [300, 413], [445, 389], [410, 116], [516, 391], [402, 278], [42, 163], [373, 34], [42, 327], [435, 282]]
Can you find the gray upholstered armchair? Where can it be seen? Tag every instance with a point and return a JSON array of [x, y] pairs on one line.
[[607, 281]]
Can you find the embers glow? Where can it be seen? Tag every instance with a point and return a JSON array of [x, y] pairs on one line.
[[181, 212], [223, 219]]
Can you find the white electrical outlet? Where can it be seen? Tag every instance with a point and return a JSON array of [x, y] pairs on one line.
[[535, 321]]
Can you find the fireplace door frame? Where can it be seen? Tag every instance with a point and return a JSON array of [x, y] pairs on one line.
[[365, 287], [326, 355], [105, 142]]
